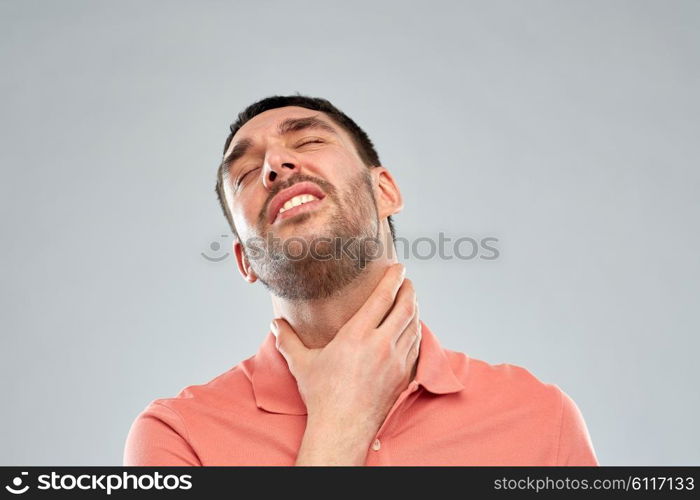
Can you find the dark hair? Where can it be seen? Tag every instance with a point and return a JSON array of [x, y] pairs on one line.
[[362, 142]]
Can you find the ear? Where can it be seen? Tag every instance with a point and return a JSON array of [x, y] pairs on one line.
[[243, 264], [389, 199]]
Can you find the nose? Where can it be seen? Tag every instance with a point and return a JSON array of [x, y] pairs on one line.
[[279, 165]]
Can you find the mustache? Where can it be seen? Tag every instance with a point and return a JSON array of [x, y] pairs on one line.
[[325, 186]]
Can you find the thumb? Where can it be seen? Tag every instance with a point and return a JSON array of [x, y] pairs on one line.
[[288, 343]]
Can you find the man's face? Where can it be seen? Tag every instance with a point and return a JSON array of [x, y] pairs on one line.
[[296, 181]]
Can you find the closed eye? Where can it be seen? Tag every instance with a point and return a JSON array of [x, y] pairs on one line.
[[310, 141], [240, 179]]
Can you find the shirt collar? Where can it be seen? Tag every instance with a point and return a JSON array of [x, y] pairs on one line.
[[275, 388]]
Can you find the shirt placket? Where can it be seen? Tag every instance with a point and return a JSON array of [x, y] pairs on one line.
[[375, 455]]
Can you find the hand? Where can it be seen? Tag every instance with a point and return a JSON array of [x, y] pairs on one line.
[[351, 383]]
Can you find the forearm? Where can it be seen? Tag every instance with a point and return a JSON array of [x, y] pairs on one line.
[[335, 442]]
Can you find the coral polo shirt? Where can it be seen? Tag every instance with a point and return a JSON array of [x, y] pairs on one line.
[[457, 411]]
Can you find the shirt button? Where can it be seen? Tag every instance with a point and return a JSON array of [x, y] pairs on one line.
[[376, 445]]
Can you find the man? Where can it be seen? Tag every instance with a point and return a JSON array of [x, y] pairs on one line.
[[348, 374]]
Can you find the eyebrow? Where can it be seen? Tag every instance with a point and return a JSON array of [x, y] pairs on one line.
[[295, 124], [286, 127]]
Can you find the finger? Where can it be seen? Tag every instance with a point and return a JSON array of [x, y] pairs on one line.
[[410, 336], [402, 312], [381, 299], [288, 343], [414, 350]]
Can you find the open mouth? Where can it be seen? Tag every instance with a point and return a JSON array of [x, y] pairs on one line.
[[299, 198], [298, 205]]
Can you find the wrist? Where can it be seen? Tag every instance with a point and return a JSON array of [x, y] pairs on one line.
[[350, 425], [335, 441]]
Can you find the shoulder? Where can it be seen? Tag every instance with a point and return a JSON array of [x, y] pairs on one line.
[[165, 432], [231, 387], [510, 389], [504, 382], [223, 393]]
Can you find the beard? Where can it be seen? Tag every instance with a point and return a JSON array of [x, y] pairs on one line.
[[320, 266]]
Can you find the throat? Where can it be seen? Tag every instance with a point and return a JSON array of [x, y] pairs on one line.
[[317, 321]]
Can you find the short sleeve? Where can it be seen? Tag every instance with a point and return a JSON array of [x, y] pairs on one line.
[[575, 446], [158, 437]]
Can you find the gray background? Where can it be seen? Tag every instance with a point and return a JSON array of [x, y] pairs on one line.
[[568, 130]]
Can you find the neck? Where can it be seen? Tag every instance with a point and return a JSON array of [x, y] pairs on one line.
[[316, 322]]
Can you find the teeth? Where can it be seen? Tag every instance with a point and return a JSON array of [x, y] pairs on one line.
[[297, 200]]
